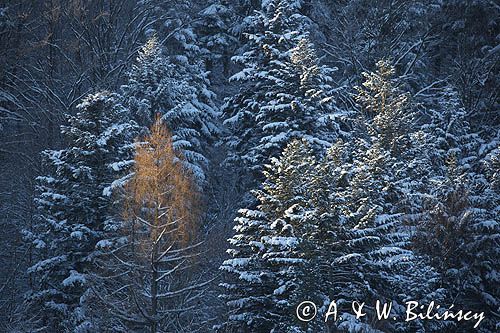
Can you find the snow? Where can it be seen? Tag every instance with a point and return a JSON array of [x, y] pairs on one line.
[[121, 165], [39, 244], [103, 244], [281, 290], [73, 279], [214, 9], [282, 242], [249, 277], [488, 224], [237, 262], [77, 235], [275, 125], [242, 75], [47, 264], [113, 130], [116, 184]]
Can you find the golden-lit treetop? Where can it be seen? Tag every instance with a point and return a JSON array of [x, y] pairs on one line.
[[163, 195]]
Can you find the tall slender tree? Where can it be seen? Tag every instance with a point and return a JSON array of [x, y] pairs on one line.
[[147, 266]]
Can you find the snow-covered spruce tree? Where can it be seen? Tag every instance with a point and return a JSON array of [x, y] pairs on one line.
[[448, 131], [494, 168], [74, 206], [180, 95], [147, 280], [481, 264], [194, 38], [340, 268], [370, 259], [283, 90], [386, 117], [373, 261], [460, 234], [459, 228], [390, 119], [386, 107], [215, 34], [285, 199], [246, 284], [269, 252]]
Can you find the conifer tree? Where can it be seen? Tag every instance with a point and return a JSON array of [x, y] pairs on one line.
[[157, 85], [459, 225], [285, 200], [310, 241], [276, 248], [459, 233], [283, 92], [386, 153], [216, 35], [379, 182], [246, 286], [368, 256], [390, 116], [75, 207], [372, 238], [387, 107]]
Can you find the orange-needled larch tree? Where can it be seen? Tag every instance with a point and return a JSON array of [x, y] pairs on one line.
[[151, 264]]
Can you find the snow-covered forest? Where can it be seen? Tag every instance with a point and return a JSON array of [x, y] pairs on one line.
[[207, 166]]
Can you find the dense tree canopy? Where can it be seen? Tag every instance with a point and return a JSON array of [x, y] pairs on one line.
[[198, 166]]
